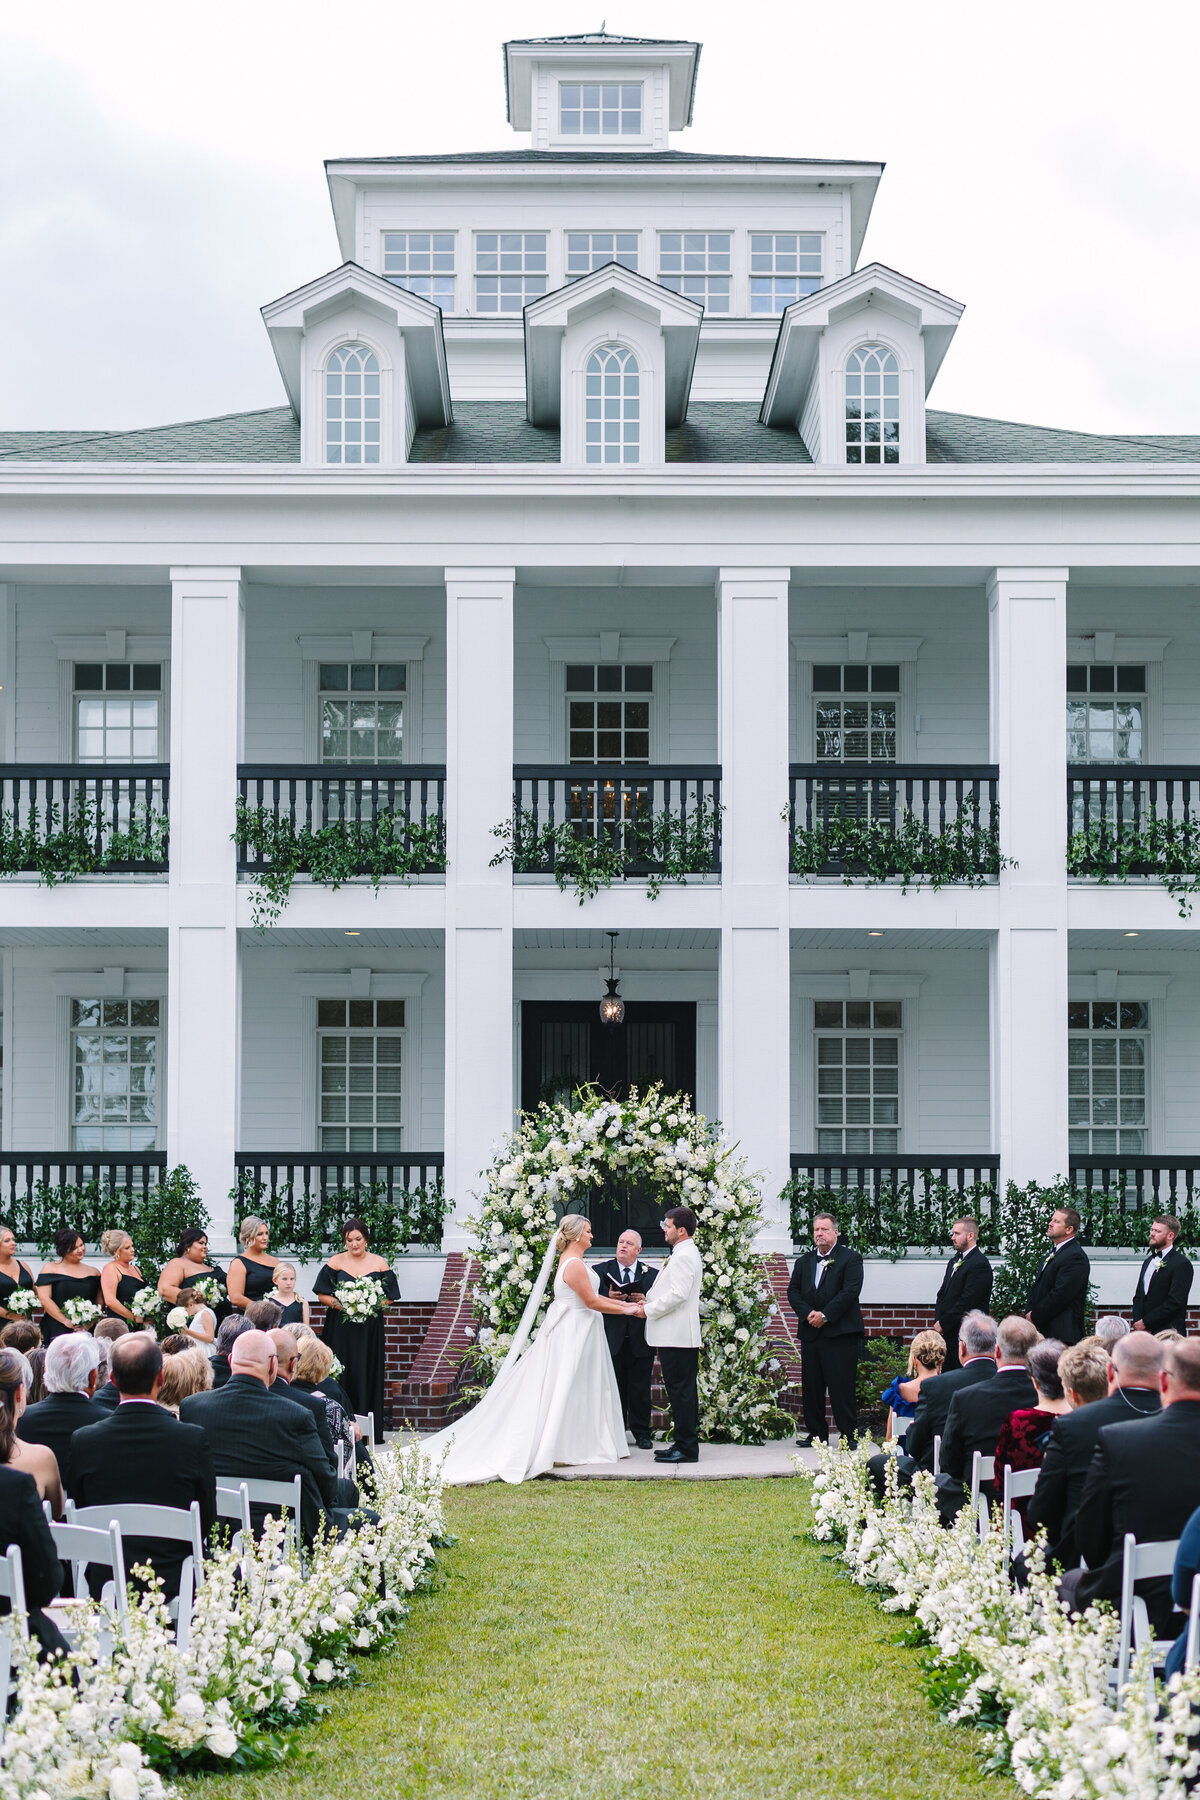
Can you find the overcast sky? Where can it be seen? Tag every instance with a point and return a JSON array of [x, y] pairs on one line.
[[161, 177]]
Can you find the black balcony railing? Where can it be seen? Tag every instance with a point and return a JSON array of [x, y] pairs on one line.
[[876, 821], [1132, 821], [649, 821], [66, 819], [42, 1190], [1140, 1184], [285, 801], [305, 1197], [875, 1174]]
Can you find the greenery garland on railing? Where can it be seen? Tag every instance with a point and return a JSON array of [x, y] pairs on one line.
[[386, 847], [589, 857], [309, 1224], [60, 844], [877, 850], [153, 1219], [1166, 850]]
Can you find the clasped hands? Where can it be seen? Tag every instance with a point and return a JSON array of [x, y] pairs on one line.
[[635, 1303]]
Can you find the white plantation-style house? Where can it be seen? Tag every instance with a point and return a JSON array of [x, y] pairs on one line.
[[605, 509]]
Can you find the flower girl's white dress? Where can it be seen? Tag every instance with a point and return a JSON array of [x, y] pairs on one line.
[[558, 1403]]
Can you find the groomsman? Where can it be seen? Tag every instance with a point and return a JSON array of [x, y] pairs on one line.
[[966, 1287], [1056, 1301], [823, 1294], [1161, 1296], [633, 1359]]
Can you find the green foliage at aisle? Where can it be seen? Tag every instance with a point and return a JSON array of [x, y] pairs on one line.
[[1154, 848], [153, 1220], [877, 850], [658, 849], [307, 1222], [62, 843], [386, 848]]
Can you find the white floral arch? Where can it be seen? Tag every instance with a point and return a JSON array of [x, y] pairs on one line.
[[551, 1166]]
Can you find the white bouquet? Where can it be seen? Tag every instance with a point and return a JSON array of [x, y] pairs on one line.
[[361, 1299], [146, 1304], [209, 1290], [178, 1318], [81, 1315], [337, 1367], [22, 1301]]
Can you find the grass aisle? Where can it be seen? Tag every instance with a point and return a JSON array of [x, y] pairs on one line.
[[646, 1639]]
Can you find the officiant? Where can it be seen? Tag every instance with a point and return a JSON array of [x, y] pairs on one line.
[[624, 1276]]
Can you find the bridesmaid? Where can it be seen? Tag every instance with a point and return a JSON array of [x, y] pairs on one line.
[[13, 1272], [67, 1278], [359, 1347], [252, 1273], [120, 1279], [188, 1265]]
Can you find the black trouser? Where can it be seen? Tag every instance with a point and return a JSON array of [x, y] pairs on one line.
[[829, 1365], [633, 1366], [951, 1336], [679, 1370]]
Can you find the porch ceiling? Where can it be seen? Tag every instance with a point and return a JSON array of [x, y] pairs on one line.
[[345, 942], [628, 942], [83, 938], [804, 941]]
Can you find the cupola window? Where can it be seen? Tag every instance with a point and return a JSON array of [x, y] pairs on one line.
[[872, 405], [352, 405], [612, 415], [600, 109]]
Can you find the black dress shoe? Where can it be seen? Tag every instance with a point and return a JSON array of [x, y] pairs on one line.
[[808, 1439], [674, 1456], [644, 1443]]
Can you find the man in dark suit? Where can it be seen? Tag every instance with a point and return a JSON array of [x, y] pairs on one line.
[[1144, 1478], [1101, 1392], [977, 1362], [823, 1294], [966, 1287], [106, 1334], [1164, 1282], [977, 1413], [633, 1359], [228, 1332], [288, 1352], [23, 1523], [141, 1454], [259, 1435], [72, 1365], [1056, 1301]]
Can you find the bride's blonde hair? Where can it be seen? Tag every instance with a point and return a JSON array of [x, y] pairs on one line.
[[570, 1227]]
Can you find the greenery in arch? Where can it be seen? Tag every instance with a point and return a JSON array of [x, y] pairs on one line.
[[387, 847], [562, 1154]]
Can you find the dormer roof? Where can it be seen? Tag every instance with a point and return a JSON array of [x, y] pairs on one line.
[[289, 318], [795, 360], [547, 318], [596, 49]]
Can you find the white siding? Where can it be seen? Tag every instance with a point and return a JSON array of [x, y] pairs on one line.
[[46, 613]]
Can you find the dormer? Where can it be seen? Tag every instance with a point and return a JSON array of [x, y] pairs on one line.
[[363, 363], [853, 365], [609, 360], [599, 91]]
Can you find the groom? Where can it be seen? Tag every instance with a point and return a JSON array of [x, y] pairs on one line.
[[672, 1313], [625, 1278]]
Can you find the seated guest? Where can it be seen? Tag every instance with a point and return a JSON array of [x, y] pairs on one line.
[[287, 1353], [1169, 1336], [977, 1413], [37, 1375], [262, 1436], [263, 1315], [22, 1335], [140, 1454], [35, 1459], [1110, 1328], [313, 1363], [227, 1332], [977, 1362], [23, 1523], [1091, 1383], [1144, 1478], [1187, 1567], [1024, 1434], [187, 1372], [926, 1355], [107, 1332], [174, 1342], [72, 1363]]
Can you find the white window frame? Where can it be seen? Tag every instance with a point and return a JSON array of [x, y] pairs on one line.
[[109, 646], [375, 1031], [890, 405], [570, 274], [499, 274], [872, 1032], [597, 696], [362, 646], [583, 83], [774, 276], [162, 754], [350, 347], [1114, 698], [893, 693], [378, 695], [609, 647], [669, 278], [853, 647], [608, 364], [1098, 1033], [410, 280], [104, 984]]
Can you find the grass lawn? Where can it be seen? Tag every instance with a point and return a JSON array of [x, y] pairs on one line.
[[629, 1638]]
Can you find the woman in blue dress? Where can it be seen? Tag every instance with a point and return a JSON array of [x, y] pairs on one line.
[[926, 1355]]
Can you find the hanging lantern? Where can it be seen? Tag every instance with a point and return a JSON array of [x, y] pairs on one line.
[[612, 1007]]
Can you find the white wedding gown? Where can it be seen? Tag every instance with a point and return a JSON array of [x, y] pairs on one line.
[[558, 1403]]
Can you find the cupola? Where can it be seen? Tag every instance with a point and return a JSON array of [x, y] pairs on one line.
[[599, 91]]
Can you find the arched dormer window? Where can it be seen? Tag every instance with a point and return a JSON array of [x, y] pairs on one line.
[[612, 413], [352, 405], [872, 405]]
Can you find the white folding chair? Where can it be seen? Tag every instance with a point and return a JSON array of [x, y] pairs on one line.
[[170, 1522], [283, 1496], [15, 1627], [1140, 1563], [366, 1424], [1018, 1485], [234, 1503], [937, 1456], [983, 1468], [345, 1460], [1191, 1655]]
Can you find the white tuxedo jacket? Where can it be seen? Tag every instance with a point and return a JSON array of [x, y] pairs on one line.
[[673, 1303]]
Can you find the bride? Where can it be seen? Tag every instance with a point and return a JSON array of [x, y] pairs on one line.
[[559, 1402]]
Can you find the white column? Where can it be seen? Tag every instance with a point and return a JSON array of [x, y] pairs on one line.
[[754, 1047], [1027, 636], [203, 1075], [479, 787]]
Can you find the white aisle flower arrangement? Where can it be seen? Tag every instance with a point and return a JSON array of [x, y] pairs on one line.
[[563, 1153], [265, 1634], [361, 1299], [1010, 1660]]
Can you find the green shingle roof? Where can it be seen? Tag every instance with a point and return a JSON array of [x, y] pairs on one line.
[[960, 438], [269, 436]]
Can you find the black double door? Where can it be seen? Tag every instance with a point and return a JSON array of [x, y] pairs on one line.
[[565, 1047]]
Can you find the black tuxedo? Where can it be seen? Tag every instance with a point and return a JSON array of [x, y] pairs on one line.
[[829, 1352], [1072, 1444], [22, 1522], [261, 1436], [966, 1287], [347, 1493], [1058, 1296], [1163, 1306], [141, 1453], [108, 1397], [975, 1417], [54, 1422], [1144, 1478], [633, 1358], [221, 1371]]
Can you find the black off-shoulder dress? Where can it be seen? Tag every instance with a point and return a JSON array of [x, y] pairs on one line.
[[360, 1347]]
